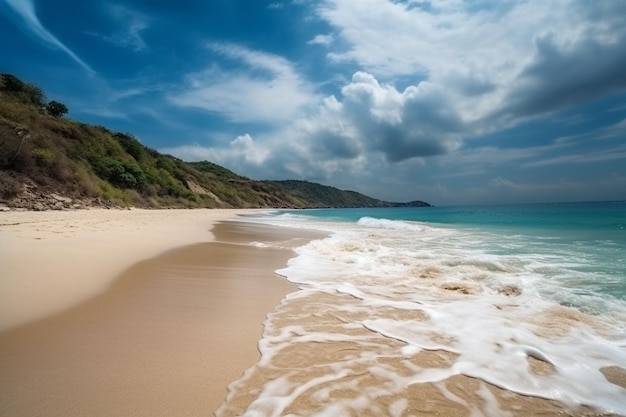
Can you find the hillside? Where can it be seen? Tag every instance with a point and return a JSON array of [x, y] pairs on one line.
[[50, 162], [324, 196]]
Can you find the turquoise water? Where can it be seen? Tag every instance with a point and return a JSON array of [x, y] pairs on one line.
[[598, 220], [490, 287], [589, 236]]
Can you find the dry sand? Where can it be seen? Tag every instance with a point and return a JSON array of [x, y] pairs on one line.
[[86, 333], [52, 260]]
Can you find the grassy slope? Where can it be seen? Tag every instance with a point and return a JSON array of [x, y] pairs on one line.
[[324, 196]]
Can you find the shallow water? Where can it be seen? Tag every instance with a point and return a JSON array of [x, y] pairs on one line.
[[465, 311]]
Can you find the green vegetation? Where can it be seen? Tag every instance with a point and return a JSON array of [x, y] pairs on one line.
[[56, 109], [23, 92], [324, 196], [41, 150]]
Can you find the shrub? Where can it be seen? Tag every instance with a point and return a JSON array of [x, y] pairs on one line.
[[166, 163], [131, 145], [121, 174], [43, 157]]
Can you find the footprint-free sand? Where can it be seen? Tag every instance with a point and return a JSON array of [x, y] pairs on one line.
[[131, 312]]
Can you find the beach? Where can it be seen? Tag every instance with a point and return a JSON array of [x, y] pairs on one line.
[[233, 312], [143, 313]]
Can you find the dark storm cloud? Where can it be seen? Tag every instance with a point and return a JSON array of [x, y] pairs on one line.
[[561, 76]]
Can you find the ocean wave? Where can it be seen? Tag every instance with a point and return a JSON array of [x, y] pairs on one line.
[[388, 224]]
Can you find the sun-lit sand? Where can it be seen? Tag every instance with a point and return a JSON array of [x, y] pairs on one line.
[[52, 260], [102, 316]]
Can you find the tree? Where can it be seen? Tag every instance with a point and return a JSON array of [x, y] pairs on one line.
[[35, 95], [56, 109]]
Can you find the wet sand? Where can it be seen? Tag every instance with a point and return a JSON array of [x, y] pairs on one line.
[[164, 339], [311, 377]]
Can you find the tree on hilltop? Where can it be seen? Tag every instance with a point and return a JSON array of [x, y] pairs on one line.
[[56, 109]]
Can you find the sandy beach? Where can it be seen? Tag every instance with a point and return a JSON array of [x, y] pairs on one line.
[[156, 313], [143, 313]]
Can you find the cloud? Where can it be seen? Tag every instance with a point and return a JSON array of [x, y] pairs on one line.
[[242, 149], [264, 87], [602, 155], [321, 40], [26, 10], [563, 75], [616, 130], [583, 190], [505, 183], [130, 35], [477, 161], [256, 158], [369, 125], [399, 124], [496, 63]]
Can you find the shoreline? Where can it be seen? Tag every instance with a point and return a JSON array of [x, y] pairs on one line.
[[179, 334], [407, 321], [168, 335]]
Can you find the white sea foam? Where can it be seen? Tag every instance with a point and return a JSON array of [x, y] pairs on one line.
[[387, 224], [457, 292]]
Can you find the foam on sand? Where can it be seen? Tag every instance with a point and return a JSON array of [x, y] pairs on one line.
[[400, 318]]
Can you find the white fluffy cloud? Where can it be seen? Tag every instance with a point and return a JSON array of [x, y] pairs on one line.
[[241, 153], [321, 40], [368, 124], [374, 117], [470, 69], [497, 62], [261, 87]]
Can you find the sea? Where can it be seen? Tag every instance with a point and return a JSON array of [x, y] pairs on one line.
[[530, 299]]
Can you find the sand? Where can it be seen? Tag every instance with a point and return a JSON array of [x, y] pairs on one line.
[[89, 330], [52, 260]]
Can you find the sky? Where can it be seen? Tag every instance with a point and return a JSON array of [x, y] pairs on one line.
[[455, 102]]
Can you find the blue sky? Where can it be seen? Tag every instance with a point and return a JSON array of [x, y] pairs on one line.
[[448, 101]]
